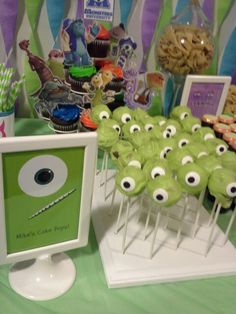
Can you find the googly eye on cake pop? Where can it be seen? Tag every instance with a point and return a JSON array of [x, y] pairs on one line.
[[192, 178], [155, 167], [100, 112], [183, 139], [139, 114], [148, 150], [209, 163], [203, 134], [119, 148], [110, 123], [191, 124], [131, 127], [130, 159], [137, 139], [166, 146], [107, 137], [179, 157], [216, 146], [122, 115], [149, 123], [180, 113], [171, 127], [198, 150], [228, 160], [160, 120]]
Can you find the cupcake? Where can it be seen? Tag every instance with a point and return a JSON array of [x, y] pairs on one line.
[[209, 120], [64, 118], [229, 137], [220, 129], [99, 48], [77, 76], [117, 83], [232, 146], [224, 118], [233, 127], [86, 123]]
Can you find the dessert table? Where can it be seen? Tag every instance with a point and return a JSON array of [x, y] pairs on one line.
[[90, 294]]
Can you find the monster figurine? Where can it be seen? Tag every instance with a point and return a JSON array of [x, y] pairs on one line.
[[180, 113], [171, 128], [179, 157], [131, 127], [198, 150], [55, 63], [126, 50], [191, 124], [155, 167], [216, 146], [209, 163], [122, 115], [192, 178], [203, 134], [183, 139], [99, 113], [228, 160]]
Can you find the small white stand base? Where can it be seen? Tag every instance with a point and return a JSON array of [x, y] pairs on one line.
[[45, 278], [135, 267]]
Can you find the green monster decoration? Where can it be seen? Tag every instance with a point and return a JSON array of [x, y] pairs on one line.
[[192, 178], [228, 160], [139, 115], [120, 148], [170, 128], [191, 125], [107, 137], [156, 133], [138, 139], [130, 181], [165, 146], [198, 150], [99, 113], [148, 123], [148, 150], [131, 127], [179, 157], [209, 163], [216, 146], [203, 134], [222, 185], [110, 123], [180, 113], [130, 159], [155, 167], [183, 139], [165, 191], [160, 120], [122, 115]]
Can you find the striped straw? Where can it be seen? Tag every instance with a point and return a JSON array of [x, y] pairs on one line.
[[14, 92]]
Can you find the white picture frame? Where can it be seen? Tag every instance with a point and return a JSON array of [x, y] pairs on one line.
[[36, 143], [194, 94]]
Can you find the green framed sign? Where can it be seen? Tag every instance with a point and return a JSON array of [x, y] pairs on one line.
[[45, 194]]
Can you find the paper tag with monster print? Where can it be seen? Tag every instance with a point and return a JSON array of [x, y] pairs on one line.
[[99, 10]]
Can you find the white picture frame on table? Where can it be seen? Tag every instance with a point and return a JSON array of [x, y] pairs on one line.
[[205, 94]]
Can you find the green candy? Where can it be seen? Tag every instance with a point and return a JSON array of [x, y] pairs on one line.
[[216, 146], [191, 124], [138, 139], [165, 191], [111, 124], [131, 127], [139, 115], [107, 137], [130, 181], [198, 150], [192, 178], [148, 123], [156, 132], [155, 167], [209, 163], [165, 146], [99, 113], [170, 128], [222, 185], [130, 159], [120, 148], [148, 150], [122, 115], [179, 157], [183, 139], [180, 113], [228, 160], [203, 134]]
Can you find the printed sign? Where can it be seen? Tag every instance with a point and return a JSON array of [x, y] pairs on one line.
[[99, 10]]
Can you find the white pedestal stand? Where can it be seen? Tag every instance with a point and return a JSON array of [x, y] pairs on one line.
[[45, 278]]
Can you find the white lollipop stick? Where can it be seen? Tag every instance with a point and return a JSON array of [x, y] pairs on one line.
[[181, 221], [212, 213], [126, 225], [147, 221], [102, 168], [212, 229], [198, 212], [155, 231], [105, 177], [140, 208], [112, 201], [119, 214], [229, 226]]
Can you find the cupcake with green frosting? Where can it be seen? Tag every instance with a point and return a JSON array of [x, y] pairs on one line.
[[80, 75]]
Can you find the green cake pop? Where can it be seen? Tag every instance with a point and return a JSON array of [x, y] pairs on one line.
[[139, 114], [122, 115], [99, 113], [216, 146], [130, 159], [179, 157], [130, 181], [191, 125], [160, 120], [155, 167], [183, 139], [148, 123], [119, 148], [112, 124], [156, 133], [209, 163], [148, 150], [222, 185], [164, 190], [171, 127], [228, 160], [192, 178], [107, 137], [203, 134], [138, 138], [180, 113], [131, 127], [166, 146], [198, 150]]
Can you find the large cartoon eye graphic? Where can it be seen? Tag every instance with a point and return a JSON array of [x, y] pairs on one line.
[[157, 171], [103, 115], [116, 127], [42, 175], [171, 129], [135, 163], [134, 128], [148, 127], [166, 134], [127, 184], [192, 178], [160, 195], [182, 143], [220, 149], [186, 160], [184, 115], [231, 189], [208, 136], [195, 127], [125, 117]]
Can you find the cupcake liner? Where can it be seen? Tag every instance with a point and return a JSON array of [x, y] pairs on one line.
[[116, 85], [76, 84], [98, 48]]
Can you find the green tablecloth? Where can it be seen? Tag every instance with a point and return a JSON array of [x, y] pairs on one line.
[[90, 295]]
